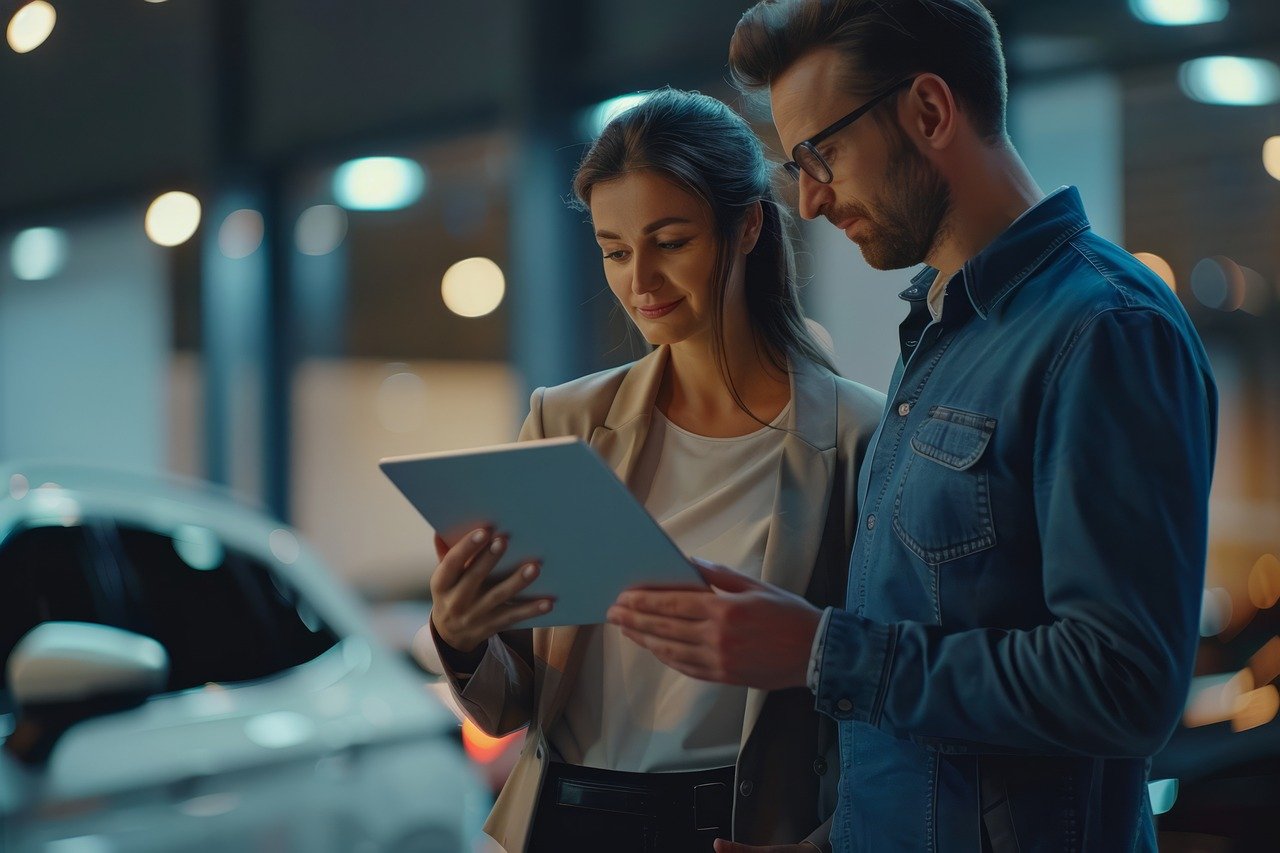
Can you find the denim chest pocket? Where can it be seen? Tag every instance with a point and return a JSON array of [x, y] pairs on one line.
[[943, 507]]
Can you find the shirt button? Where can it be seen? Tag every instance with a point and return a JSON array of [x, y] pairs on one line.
[[844, 705], [745, 787], [904, 409], [871, 522], [820, 767]]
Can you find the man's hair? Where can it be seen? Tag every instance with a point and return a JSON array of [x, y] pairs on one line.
[[883, 42]]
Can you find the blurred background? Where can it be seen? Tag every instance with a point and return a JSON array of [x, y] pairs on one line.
[[265, 243]]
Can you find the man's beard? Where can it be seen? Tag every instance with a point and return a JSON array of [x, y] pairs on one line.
[[908, 219]]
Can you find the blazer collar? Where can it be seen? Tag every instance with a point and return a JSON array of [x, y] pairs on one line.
[[813, 410]]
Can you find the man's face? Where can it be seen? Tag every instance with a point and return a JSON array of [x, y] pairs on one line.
[[884, 195]]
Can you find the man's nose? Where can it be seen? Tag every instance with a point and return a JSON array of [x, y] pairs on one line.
[[814, 196]]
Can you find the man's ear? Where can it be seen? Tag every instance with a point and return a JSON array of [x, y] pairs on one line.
[[752, 223], [930, 112]]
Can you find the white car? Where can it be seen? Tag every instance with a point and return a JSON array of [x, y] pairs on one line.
[[183, 675]]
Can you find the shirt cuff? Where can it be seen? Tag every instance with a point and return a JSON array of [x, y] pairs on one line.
[[458, 665], [815, 652], [853, 675]]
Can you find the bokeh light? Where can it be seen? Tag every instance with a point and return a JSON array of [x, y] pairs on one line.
[[473, 288], [284, 545], [1265, 662], [1264, 582], [606, 111], [379, 183], [1215, 611], [1160, 267], [198, 547], [1237, 81], [1179, 13], [320, 229], [241, 233], [483, 748], [1255, 295], [31, 25], [402, 401], [1271, 157], [1255, 708], [19, 487], [1218, 282], [1163, 794], [38, 253], [173, 218]]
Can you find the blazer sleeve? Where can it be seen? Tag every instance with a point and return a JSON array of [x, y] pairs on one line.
[[499, 695]]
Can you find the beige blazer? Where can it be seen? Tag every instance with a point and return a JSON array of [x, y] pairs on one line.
[[788, 767]]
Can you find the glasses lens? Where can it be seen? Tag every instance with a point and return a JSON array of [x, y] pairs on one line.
[[808, 158]]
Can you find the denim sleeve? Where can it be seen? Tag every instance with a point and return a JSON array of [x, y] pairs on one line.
[[1122, 465]]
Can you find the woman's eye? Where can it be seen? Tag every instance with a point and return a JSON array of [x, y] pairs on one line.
[[616, 255], [673, 244]]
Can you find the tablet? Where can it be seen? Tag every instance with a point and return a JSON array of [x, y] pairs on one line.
[[560, 504]]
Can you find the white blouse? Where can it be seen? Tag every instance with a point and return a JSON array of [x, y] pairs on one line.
[[714, 497]]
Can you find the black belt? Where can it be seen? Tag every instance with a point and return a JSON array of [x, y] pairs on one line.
[[638, 812]]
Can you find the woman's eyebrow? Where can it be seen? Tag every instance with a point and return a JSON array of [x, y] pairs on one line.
[[650, 228]]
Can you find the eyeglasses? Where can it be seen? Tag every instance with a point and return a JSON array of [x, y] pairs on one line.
[[805, 155]]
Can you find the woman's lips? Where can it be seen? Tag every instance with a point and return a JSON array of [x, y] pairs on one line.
[[653, 312]]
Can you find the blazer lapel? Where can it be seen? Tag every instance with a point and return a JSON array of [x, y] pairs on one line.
[[619, 442], [802, 498]]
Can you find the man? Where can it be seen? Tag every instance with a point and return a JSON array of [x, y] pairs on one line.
[[1023, 595]]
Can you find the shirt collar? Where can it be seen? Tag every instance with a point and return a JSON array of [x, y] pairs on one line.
[[1019, 251]]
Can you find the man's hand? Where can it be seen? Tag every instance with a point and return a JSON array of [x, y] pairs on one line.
[[746, 633]]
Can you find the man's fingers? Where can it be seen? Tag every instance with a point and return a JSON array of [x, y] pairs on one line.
[[672, 603], [680, 630], [689, 659], [723, 577]]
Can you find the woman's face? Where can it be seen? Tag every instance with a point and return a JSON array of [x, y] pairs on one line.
[[659, 249]]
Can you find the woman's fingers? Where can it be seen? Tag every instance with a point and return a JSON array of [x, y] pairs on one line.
[[476, 577], [442, 547], [453, 565], [513, 614], [505, 590]]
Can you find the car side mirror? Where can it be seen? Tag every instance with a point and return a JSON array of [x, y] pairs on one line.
[[61, 673]]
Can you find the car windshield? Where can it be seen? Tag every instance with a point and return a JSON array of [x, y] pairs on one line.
[[222, 615]]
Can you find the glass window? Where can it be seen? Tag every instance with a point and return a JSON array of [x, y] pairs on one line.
[[222, 615]]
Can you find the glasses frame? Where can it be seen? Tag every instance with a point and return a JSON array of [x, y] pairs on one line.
[[809, 145]]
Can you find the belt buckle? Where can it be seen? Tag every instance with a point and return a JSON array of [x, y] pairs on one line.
[[709, 799]]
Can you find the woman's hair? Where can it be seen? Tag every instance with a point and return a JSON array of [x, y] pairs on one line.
[[708, 150]]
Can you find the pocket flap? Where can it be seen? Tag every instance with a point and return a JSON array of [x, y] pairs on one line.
[[953, 438]]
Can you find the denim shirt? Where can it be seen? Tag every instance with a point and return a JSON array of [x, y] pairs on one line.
[[1024, 590]]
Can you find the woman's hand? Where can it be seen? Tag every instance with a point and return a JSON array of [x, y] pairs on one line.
[[468, 607]]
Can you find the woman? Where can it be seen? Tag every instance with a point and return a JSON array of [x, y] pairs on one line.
[[740, 440]]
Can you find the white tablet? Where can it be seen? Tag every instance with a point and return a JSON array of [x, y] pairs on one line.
[[560, 504]]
